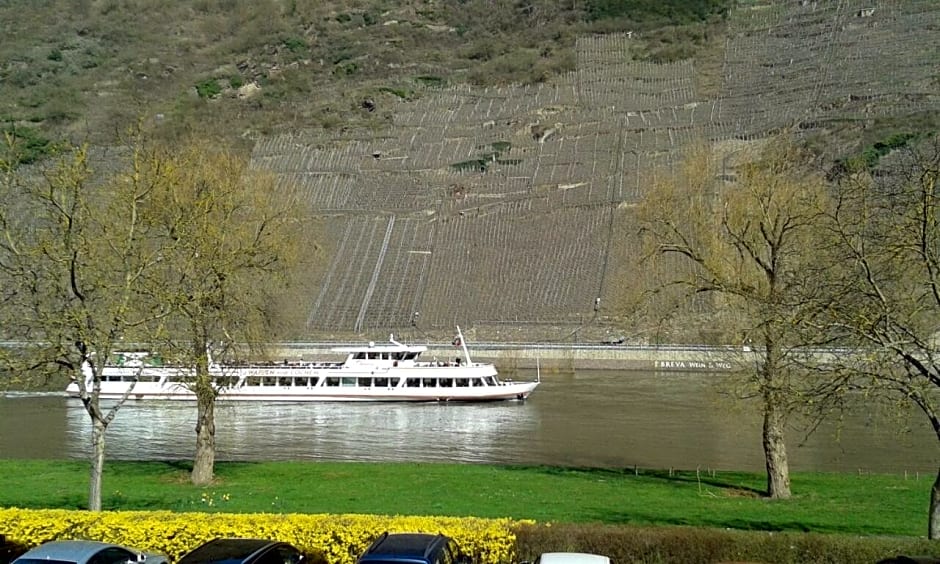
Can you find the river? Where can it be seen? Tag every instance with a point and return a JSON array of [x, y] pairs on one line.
[[604, 418]]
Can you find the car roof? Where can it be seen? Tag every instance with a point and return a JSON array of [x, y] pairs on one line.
[[572, 558], [225, 550], [404, 546], [70, 550]]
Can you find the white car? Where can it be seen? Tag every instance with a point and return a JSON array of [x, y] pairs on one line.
[[86, 552], [571, 558]]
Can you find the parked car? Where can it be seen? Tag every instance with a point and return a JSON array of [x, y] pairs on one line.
[[413, 548], [571, 558], [86, 552], [243, 551]]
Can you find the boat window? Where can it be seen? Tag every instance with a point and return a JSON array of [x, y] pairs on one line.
[[332, 381], [411, 355], [413, 382], [430, 383], [446, 383], [381, 382], [365, 382], [462, 383], [359, 355], [399, 356], [269, 381], [492, 380], [348, 381], [252, 381], [311, 382]]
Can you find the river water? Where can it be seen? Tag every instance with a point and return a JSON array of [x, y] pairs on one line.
[[587, 418]]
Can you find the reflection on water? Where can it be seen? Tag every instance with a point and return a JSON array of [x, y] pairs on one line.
[[335, 431], [590, 418]]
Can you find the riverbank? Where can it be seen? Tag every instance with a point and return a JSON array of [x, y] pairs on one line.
[[857, 504]]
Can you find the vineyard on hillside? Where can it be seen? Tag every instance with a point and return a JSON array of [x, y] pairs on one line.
[[502, 209]]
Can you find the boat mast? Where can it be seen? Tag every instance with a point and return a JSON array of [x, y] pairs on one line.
[[463, 343]]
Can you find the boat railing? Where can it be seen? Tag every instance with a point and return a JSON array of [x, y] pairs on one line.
[[285, 365], [441, 364]]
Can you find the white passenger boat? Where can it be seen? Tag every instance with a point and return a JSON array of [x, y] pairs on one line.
[[385, 372]]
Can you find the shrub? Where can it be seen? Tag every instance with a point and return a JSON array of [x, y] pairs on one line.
[[295, 44], [338, 539], [626, 543], [399, 92], [347, 68], [29, 145], [208, 88], [671, 11], [431, 81], [870, 156], [882, 148]]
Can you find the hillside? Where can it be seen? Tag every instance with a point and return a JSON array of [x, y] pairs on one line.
[[240, 69], [478, 164]]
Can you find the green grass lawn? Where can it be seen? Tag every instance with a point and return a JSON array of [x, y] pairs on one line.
[[824, 503]]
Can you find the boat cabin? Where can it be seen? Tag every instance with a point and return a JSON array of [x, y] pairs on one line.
[[393, 355]]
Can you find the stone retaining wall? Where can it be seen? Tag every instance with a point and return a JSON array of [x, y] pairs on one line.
[[508, 357]]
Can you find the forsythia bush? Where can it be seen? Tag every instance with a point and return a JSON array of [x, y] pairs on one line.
[[340, 539]]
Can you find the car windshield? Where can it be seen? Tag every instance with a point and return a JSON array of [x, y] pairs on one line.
[[42, 561]]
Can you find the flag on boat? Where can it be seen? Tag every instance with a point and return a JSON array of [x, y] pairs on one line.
[[457, 342]]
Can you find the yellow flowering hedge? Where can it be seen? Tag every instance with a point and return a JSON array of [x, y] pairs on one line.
[[340, 539]]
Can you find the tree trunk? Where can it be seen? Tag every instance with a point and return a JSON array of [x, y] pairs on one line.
[[775, 449], [204, 461], [97, 464], [933, 526]]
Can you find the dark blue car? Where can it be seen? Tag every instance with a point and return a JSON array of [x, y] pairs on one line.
[[243, 551], [413, 548]]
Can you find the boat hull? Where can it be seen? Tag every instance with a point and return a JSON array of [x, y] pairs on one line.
[[176, 392]]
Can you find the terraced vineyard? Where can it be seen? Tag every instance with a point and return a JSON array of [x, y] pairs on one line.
[[511, 206]]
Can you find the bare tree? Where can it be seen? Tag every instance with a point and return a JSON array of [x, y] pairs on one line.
[[75, 256], [238, 238], [885, 226], [747, 244]]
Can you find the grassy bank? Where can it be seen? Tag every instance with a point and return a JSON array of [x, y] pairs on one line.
[[823, 503]]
